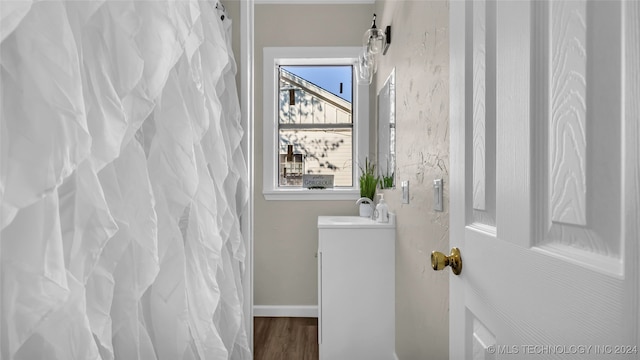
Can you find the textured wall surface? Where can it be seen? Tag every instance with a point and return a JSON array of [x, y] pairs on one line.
[[420, 54], [285, 233]]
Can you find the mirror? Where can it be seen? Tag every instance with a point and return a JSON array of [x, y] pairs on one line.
[[387, 132]]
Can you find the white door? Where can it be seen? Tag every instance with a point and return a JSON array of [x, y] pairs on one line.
[[545, 179]]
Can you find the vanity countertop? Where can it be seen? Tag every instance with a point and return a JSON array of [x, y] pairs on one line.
[[354, 222]]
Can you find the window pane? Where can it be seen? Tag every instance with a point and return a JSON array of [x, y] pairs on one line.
[[315, 123], [315, 95], [336, 79], [316, 151]]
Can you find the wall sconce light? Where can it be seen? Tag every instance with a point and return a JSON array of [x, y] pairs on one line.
[[374, 41], [374, 38]]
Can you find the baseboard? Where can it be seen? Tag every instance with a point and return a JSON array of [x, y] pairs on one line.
[[285, 311]]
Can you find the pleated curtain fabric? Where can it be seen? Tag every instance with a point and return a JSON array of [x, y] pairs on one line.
[[122, 181]]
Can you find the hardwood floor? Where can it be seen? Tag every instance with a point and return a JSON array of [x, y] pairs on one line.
[[282, 338]]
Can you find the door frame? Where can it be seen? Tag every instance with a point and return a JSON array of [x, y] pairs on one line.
[[247, 109]]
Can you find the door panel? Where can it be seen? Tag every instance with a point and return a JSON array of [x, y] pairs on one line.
[[567, 117], [545, 178], [481, 340], [482, 118], [581, 166]]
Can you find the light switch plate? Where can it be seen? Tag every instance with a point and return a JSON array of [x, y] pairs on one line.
[[405, 191], [437, 195]]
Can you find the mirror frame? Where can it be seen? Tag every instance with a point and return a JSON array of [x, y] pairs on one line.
[[386, 114]]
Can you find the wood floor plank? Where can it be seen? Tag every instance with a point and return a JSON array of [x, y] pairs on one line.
[[281, 338]]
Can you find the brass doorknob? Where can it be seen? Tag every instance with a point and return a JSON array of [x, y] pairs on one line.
[[440, 261]]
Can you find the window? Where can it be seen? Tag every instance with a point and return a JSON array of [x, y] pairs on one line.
[[315, 122]]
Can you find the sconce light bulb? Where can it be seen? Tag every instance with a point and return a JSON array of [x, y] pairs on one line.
[[374, 40]]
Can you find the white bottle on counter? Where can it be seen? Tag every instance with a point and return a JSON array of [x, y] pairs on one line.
[[382, 210]]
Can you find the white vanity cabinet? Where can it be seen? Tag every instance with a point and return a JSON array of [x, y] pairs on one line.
[[356, 288]]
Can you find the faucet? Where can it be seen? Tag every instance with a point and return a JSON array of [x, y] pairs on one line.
[[365, 200]]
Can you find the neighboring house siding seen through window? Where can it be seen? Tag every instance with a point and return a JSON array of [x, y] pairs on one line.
[[315, 126]]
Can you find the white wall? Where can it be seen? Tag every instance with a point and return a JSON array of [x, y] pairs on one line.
[[285, 232], [420, 53]]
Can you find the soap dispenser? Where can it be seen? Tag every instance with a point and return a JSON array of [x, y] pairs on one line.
[[382, 210]]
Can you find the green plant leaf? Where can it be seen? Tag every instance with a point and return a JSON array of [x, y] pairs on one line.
[[368, 180]]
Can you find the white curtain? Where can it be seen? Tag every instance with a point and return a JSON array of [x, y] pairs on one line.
[[122, 181]]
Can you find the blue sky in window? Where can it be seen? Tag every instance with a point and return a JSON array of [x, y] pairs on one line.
[[327, 77]]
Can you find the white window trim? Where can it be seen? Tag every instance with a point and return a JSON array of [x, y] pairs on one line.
[[276, 56]]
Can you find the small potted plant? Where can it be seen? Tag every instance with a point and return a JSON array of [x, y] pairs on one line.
[[368, 183]]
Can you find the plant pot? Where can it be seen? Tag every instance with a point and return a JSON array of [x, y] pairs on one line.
[[366, 210]]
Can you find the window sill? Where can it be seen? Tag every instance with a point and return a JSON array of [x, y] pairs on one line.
[[306, 194]]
